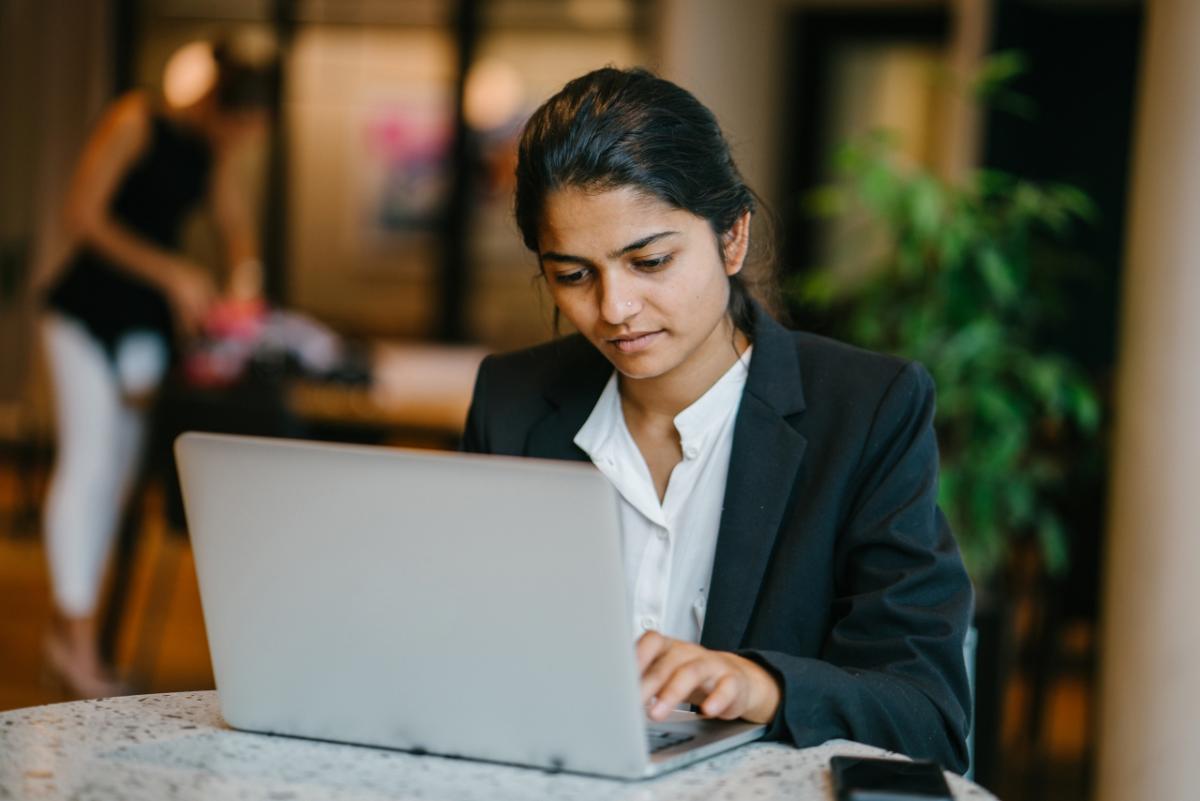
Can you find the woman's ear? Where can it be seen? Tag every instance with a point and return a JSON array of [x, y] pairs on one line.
[[735, 244]]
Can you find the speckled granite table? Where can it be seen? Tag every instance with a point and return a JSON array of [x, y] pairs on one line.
[[175, 746]]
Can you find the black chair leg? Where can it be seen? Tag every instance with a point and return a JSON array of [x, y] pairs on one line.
[[148, 644], [121, 574]]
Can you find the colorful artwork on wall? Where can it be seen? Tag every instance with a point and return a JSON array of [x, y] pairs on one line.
[[403, 167]]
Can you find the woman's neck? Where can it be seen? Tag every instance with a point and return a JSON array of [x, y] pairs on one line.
[[195, 117]]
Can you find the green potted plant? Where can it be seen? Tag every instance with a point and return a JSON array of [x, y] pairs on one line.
[[961, 282]]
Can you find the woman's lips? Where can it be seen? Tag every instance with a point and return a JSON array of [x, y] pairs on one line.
[[632, 343]]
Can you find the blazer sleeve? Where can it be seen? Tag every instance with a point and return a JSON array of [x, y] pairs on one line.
[[474, 438], [891, 670]]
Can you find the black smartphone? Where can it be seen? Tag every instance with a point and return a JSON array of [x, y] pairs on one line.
[[870, 779]]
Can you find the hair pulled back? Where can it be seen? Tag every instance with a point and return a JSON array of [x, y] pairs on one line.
[[247, 72], [614, 128]]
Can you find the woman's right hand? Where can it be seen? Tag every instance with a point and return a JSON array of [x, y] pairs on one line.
[[190, 291]]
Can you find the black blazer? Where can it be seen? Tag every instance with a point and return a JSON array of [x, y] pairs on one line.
[[834, 567]]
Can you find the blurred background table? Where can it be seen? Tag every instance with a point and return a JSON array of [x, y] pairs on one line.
[[415, 395], [175, 746], [415, 391]]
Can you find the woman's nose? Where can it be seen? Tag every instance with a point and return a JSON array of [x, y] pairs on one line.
[[618, 301]]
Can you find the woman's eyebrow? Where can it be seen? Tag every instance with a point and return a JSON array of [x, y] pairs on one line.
[[641, 243], [551, 255]]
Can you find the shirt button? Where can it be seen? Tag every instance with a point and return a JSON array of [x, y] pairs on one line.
[[648, 623], [691, 452], [661, 533]]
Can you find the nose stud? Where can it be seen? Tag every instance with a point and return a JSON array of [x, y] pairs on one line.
[[629, 303]]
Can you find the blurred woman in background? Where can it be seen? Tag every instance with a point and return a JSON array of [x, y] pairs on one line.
[[126, 298]]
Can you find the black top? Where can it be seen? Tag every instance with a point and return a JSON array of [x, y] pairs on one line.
[[834, 568], [153, 200]]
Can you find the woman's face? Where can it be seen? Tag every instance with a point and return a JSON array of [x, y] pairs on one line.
[[642, 280]]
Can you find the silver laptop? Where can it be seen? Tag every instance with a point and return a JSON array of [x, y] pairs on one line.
[[469, 606]]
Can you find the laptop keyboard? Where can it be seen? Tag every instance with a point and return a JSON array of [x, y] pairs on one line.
[[658, 740]]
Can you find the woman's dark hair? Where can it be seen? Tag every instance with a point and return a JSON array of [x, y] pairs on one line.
[[629, 128], [247, 78]]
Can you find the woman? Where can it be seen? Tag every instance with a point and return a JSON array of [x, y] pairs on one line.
[[116, 311], [785, 557]]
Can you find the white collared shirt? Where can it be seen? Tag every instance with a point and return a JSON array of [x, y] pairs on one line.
[[669, 547]]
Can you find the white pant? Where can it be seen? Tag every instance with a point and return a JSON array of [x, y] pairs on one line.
[[99, 444]]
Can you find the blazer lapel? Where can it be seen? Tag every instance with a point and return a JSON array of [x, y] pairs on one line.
[[767, 452], [572, 395]]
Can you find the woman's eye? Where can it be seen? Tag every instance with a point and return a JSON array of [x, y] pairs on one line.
[[571, 278], [652, 263]]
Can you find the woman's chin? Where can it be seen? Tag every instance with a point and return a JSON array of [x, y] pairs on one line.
[[651, 359], [639, 367]]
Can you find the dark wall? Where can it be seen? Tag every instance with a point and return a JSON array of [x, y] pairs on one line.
[[1083, 62], [1083, 66], [815, 37]]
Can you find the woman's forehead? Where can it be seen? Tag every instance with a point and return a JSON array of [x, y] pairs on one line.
[[607, 219]]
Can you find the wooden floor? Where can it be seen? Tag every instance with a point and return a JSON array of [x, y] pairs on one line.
[[164, 581]]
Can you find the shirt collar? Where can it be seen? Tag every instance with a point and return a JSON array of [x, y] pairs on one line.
[[595, 435], [707, 415], [695, 423]]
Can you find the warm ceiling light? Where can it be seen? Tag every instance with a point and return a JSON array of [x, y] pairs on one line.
[[599, 13], [191, 71], [493, 95]]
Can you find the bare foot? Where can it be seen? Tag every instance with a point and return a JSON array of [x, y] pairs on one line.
[[73, 659]]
